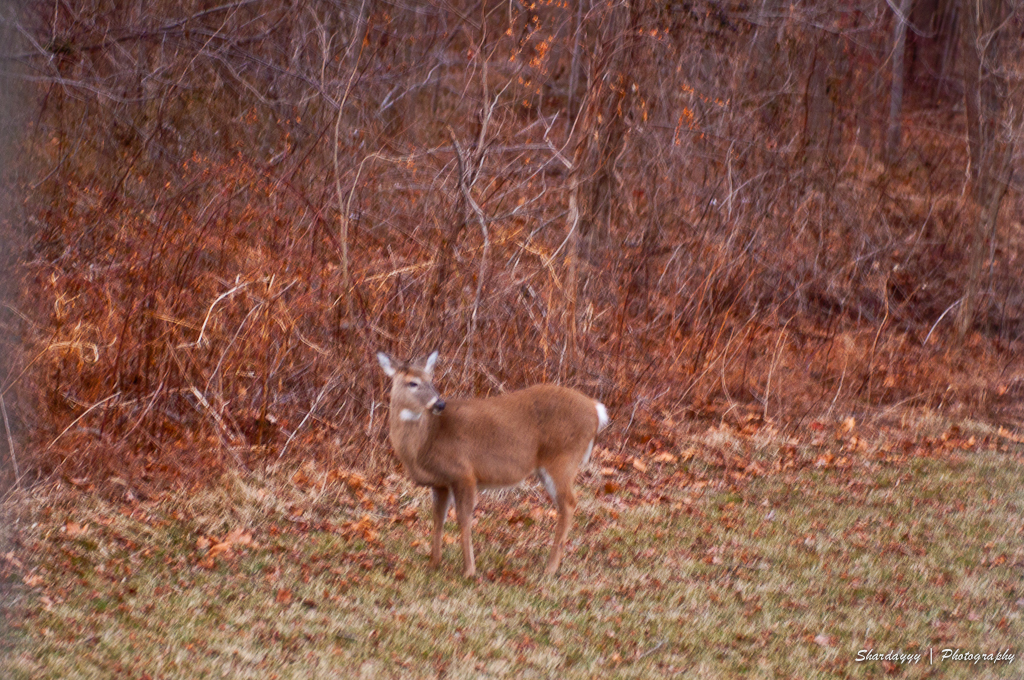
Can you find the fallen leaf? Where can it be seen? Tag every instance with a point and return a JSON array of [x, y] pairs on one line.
[[665, 458], [355, 481], [1006, 434], [825, 640], [33, 580], [74, 530], [239, 537], [300, 478], [284, 596], [223, 549], [12, 560], [848, 425], [363, 528], [639, 465]]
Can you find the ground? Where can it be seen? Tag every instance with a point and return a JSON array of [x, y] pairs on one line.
[[844, 557]]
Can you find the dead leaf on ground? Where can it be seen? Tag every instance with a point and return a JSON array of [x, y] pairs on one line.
[[221, 549], [848, 425], [364, 528], [825, 640], [10, 559], [33, 580], [239, 537], [74, 530], [754, 469]]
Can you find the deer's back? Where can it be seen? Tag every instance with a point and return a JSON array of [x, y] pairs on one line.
[[510, 434]]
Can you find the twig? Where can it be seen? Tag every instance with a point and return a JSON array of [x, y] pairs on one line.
[[312, 408], [925, 341], [871, 357], [199, 340], [84, 414], [842, 379], [465, 186], [10, 441], [652, 650], [145, 412], [343, 214], [771, 369], [222, 429]]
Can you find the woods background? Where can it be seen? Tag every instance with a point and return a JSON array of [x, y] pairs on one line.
[[694, 211]]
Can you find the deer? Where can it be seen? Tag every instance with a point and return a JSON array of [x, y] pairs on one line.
[[462, 446]]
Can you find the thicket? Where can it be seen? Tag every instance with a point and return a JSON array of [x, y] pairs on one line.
[[782, 211]]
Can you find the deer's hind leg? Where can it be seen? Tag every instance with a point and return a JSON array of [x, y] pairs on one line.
[[559, 478]]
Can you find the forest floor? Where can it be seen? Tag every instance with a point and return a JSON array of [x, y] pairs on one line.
[[886, 554]]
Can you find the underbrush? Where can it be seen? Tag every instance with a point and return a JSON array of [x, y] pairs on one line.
[[220, 213]]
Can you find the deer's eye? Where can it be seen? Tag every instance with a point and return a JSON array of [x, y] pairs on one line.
[[412, 383]]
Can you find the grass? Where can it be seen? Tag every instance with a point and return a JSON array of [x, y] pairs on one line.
[[782, 575]]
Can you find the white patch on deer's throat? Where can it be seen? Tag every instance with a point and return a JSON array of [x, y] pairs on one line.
[[602, 415], [549, 484], [409, 415]]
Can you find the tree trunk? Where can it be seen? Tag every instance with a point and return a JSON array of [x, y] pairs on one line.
[[604, 124], [899, 45], [985, 98]]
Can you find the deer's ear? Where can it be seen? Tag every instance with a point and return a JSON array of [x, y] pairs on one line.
[[385, 362], [428, 366]]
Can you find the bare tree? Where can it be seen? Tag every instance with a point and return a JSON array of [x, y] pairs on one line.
[[899, 45], [994, 113]]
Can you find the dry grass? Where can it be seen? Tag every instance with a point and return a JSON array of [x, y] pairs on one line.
[[780, 575]]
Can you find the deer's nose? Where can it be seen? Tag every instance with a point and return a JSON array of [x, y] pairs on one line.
[[437, 406]]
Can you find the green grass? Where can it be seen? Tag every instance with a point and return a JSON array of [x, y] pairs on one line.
[[786, 575]]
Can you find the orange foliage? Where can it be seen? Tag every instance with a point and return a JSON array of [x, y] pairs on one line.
[[183, 295]]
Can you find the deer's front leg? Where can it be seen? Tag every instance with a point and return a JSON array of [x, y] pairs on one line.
[[442, 499], [465, 502]]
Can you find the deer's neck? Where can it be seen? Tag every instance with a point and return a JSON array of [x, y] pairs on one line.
[[412, 434]]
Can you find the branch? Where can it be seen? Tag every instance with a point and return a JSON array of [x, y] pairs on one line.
[[343, 215]]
